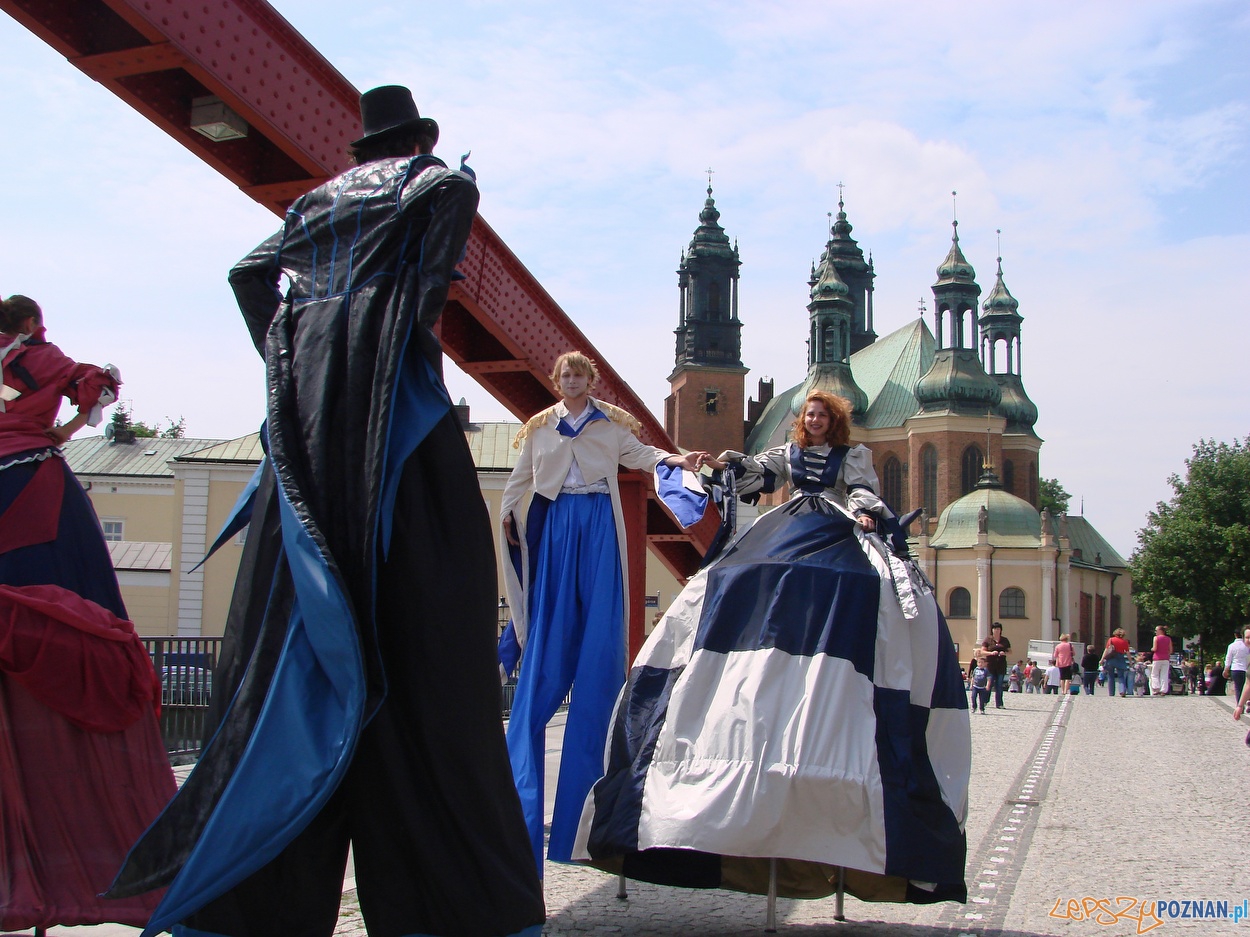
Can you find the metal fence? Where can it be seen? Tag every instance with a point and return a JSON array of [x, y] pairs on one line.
[[186, 667]]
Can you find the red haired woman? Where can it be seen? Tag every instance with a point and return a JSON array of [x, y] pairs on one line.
[[800, 700]]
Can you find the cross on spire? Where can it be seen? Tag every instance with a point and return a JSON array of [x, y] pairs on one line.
[[923, 310], [709, 179], [840, 188], [954, 209]]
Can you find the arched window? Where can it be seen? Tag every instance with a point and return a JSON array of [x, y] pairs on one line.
[[928, 469], [971, 465], [1009, 475], [1011, 603], [1033, 484], [960, 603], [892, 485], [713, 301]]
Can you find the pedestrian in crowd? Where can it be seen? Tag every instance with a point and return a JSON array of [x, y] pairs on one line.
[[1116, 663], [1141, 675], [1014, 676], [1054, 677], [1089, 668], [981, 678], [1236, 660], [1240, 706], [1064, 655], [998, 655], [1028, 676], [1161, 662], [1216, 684], [1193, 676], [1038, 677]]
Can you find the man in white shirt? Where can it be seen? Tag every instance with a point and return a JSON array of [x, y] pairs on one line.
[[1053, 678], [1235, 662]]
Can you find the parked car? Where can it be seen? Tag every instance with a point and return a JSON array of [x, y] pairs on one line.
[[186, 686], [1178, 685]]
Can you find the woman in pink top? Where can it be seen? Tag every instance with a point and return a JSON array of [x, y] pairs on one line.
[[1063, 660], [1161, 653]]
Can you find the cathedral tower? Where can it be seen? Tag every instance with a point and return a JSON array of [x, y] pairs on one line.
[[847, 258], [957, 430], [704, 407], [831, 324], [1000, 356]]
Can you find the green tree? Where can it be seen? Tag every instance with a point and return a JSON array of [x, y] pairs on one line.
[[1191, 569], [1052, 496], [174, 430], [123, 420]]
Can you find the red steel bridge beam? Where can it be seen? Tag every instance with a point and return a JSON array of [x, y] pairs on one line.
[[499, 325]]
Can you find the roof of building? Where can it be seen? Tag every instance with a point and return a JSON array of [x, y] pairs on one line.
[[1010, 521], [491, 445], [1095, 551], [146, 457], [146, 556], [244, 449], [888, 369]]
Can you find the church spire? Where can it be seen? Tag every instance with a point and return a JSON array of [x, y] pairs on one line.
[[1000, 323], [708, 330], [956, 382], [847, 257], [831, 318]]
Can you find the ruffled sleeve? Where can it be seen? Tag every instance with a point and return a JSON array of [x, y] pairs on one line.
[[91, 388], [861, 483], [758, 474]]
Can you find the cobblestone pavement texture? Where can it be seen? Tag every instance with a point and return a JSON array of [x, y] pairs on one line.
[[1070, 799]]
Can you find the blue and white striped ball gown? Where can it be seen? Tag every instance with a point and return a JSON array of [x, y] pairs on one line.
[[800, 700]]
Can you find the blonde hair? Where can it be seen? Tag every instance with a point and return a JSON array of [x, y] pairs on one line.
[[578, 363], [839, 409]]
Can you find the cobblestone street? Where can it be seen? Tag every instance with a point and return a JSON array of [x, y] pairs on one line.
[[1084, 798]]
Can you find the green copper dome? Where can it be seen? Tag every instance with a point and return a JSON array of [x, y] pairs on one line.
[[1015, 405], [955, 268], [827, 285], [710, 239], [834, 378], [843, 249], [1009, 521], [958, 383], [1000, 301]]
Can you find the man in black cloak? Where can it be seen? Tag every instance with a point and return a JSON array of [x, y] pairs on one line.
[[357, 699]]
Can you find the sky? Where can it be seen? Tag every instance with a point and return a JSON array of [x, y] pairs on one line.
[[1109, 142]]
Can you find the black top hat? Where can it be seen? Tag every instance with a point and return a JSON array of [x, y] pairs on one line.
[[391, 107]]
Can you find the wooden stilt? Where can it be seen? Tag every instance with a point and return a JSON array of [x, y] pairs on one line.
[[770, 923], [621, 893], [838, 914]]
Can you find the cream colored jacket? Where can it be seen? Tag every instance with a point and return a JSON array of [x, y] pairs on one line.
[[544, 462]]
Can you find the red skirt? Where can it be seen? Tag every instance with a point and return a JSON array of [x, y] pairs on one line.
[[83, 768]]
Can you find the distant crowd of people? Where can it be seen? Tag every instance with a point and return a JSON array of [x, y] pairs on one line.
[[1122, 669]]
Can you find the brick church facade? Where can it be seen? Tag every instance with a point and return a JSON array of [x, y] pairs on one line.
[[945, 413]]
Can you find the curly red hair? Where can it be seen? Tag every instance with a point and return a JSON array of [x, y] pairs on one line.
[[839, 410]]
